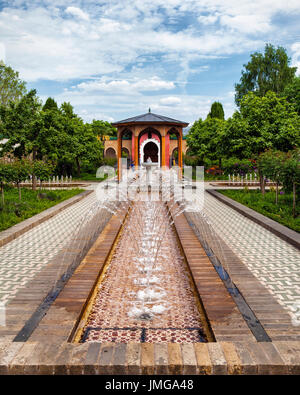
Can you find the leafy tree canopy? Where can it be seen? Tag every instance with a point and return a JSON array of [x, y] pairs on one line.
[[12, 88], [262, 123], [50, 104], [292, 93], [265, 72], [204, 140], [21, 123], [103, 128], [216, 111]]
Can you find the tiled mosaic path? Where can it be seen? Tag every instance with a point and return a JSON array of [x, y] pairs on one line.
[[24, 257], [273, 261]]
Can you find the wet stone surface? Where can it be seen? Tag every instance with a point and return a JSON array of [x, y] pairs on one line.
[[146, 294]]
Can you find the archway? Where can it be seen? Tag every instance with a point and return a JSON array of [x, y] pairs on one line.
[[150, 148], [110, 153], [174, 158], [126, 155], [151, 151]]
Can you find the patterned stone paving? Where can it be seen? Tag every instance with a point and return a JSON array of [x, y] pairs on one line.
[[273, 261], [24, 257]]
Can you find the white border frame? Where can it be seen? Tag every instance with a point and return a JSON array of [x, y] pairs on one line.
[[142, 146]]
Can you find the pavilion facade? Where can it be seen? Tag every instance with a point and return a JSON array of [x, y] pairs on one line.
[[148, 136]]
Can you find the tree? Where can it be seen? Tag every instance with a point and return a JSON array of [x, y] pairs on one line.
[[50, 104], [271, 164], [216, 111], [5, 176], [262, 123], [291, 175], [20, 171], [204, 139], [292, 93], [42, 170], [83, 145], [11, 87], [103, 128], [23, 125], [265, 72], [283, 168]]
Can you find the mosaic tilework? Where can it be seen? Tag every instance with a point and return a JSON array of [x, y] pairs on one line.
[[148, 335], [273, 261], [24, 257]]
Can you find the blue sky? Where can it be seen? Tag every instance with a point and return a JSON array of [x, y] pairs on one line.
[[114, 59]]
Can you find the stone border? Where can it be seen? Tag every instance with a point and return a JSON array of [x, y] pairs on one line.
[[17, 230], [286, 234], [222, 358]]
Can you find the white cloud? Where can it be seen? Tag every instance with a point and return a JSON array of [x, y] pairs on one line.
[[75, 11], [125, 86], [296, 56], [247, 23], [140, 53], [170, 101], [102, 39], [2, 52]]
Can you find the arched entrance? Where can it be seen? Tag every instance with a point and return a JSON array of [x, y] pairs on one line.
[[110, 153], [151, 151], [150, 148], [174, 157]]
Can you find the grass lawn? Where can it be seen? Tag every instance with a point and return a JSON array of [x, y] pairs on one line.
[[15, 211], [265, 204], [89, 177]]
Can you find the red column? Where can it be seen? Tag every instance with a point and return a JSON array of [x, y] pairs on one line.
[[163, 151], [136, 150], [119, 154]]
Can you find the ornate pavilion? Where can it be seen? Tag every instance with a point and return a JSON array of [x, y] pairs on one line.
[[148, 136]]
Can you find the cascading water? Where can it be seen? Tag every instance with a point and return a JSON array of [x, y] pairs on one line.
[[146, 294]]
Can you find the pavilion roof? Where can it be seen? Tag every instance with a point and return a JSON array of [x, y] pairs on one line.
[[150, 118]]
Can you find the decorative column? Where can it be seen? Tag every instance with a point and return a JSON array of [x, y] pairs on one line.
[[119, 156], [180, 150], [163, 151], [136, 152], [132, 149]]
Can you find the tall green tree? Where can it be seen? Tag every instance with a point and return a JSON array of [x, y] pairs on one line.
[[292, 93], [103, 128], [12, 88], [50, 104], [216, 111], [5, 176], [32, 132], [204, 139], [21, 123], [265, 72], [20, 171], [82, 142], [262, 123]]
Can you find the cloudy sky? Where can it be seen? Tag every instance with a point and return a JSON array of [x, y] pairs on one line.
[[115, 59]]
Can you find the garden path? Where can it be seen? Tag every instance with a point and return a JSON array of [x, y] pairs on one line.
[[273, 261]]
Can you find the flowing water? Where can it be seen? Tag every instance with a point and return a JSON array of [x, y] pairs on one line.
[[146, 294]]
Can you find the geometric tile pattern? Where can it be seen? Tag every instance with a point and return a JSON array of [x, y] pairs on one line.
[[22, 258], [274, 262]]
